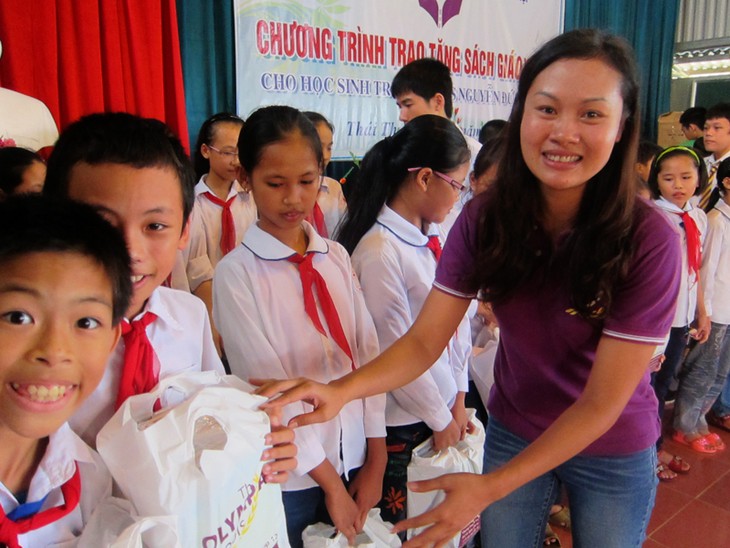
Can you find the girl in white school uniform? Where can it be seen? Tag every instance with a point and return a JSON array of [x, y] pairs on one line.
[[222, 210], [408, 183], [330, 207], [288, 304], [676, 175], [707, 366]]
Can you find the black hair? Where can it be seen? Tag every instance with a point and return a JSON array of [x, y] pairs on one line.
[[269, 125], [488, 155], [647, 151], [723, 172], [491, 129], [206, 136], [317, 118], [13, 163], [425, 77], [671, 152], [426, 141], [598, 250], [720, 110], [34, 223], [119, 138], [693, 115]]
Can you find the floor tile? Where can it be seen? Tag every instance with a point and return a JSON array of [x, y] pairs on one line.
[[698, 524]]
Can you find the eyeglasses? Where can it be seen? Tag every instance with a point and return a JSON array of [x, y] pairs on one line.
[[229, 153], [453, 182]]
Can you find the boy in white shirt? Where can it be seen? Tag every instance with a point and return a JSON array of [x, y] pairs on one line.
[[136, 173], [64, 286], [717, 143]]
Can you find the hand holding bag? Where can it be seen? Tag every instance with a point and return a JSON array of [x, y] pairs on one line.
[[465, 456], [376, 534], [198, 459]]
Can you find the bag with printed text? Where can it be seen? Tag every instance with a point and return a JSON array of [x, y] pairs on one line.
[[465, 456], [197, 459]]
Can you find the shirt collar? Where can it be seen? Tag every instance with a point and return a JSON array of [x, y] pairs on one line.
[[59, 462], [202, 187], [158, 306], [267, 247], [723, 207], [711, 161], [404, 230], [669, 206]]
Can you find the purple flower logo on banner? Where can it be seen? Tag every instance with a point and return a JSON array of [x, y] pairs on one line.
[[442, 11]]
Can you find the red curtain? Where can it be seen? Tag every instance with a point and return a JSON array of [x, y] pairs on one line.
[[83, 56]]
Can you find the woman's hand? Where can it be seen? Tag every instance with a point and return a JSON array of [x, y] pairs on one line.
[[326, 398], [466, 496]]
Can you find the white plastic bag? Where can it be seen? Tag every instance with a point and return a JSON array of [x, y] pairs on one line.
[[197, 459], [465, 456], [149, 532], [376, 534]]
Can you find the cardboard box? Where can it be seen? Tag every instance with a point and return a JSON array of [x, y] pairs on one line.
[[670, 130]]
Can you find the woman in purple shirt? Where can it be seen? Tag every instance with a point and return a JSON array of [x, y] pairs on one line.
[[583, 278]]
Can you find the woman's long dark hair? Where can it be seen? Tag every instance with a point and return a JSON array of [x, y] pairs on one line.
[[599, 248], [426, 141]]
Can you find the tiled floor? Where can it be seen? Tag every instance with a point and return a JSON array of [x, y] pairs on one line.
[[693, 510]]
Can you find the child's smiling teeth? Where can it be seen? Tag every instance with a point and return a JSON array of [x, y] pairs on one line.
[[137, 277], [41, 393], [560, 158]]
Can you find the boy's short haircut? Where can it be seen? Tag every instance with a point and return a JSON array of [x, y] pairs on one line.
[[38, 224], [647, 151], [720, 110], [693, 115], [119, 138], [425, 77]]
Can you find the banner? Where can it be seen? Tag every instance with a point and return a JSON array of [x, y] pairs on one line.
[[338, 57]]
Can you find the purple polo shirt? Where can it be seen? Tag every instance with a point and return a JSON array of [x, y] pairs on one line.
[[546, 352]]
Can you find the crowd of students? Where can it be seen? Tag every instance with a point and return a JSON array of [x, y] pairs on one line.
[[127, 272]]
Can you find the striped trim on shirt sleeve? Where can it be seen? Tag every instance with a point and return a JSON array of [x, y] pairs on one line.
[[453, 292], [634, 337]]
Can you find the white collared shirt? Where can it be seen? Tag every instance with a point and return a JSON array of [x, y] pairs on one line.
[[182, 341], [258, 304], [204, 247], [396, 271], [65, 450], [710, 160], [687, 298], [332, 202], [716, 264]]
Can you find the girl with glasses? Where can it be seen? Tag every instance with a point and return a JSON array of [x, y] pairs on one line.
[[406, 186]]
